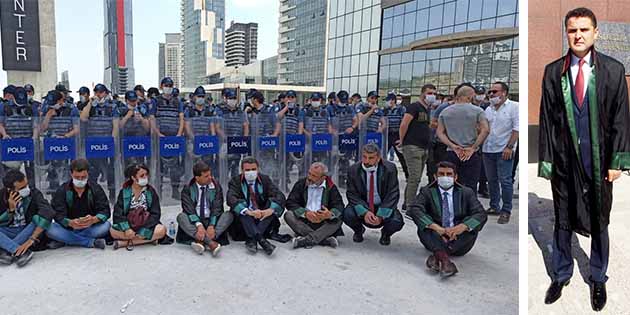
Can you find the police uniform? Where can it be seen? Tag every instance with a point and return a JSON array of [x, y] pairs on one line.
[[200, 122], [263, 123], [166, 112], [345, 116], [394, 118], [317, 121], [134, 128], [292, 119], [101, 124], [18, 122], [61, 123]]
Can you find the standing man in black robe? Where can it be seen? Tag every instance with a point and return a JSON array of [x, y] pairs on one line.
[[584, 147]]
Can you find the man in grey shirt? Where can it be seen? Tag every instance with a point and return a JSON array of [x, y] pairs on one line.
[[463, 127]]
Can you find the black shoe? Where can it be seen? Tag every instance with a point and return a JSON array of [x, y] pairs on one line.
[[99, 243], [555, 291], [598, 295], [6, 258], [504, 218], [282, 238], [251, 246], [52, 244], [25, 258], [266, 246], [358, 237], [385, 239], [330, 242], [302, 242], [492, 211]]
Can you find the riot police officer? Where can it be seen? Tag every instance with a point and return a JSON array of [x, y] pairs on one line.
[[317, 120], [348, 123], [293, 117], [100, 118], [58, 122], [134, 122], [168, 116], [371, 115], [264, 123], [394, 112], [201, 120], [18, 120], [84, 98], [32, 102], [235, 125]]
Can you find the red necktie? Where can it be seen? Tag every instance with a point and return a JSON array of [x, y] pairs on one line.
[[579, 84], [371, 197], [252, 196]]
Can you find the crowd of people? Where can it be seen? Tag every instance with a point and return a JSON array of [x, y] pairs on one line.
[[459, 139]]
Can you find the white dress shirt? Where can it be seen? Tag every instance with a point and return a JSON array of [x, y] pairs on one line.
[[206, 211], [586, 69], [502, 122], [449, 197], [314, 202]]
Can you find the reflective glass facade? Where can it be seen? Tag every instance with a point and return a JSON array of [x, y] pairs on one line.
[[478, 63]]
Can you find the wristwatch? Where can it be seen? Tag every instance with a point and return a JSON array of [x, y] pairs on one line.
[[510, 146]]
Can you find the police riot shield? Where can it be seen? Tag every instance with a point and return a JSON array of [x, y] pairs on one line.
[[320, 139], [292, 152], [55, 148], [97, 145], [265, 128], [236, 143], [373, 129], [204, 141], [347, 142], [18, 147], [133, 143]]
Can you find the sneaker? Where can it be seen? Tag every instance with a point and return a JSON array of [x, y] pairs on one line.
[[504, 218], [99, 243], [330, 242], [492, 211], [197, 248], [24, 259], [214, 248], [302, 242], [6, 258]]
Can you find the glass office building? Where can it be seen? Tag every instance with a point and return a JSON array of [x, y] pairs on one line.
[[354, 29], [448, 42]]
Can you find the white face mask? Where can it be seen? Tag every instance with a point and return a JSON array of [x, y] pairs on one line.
[[342, 104], [480, 98], [398, 102], [79, 183], [56, 106], [24, 192], [250, 176], [199, 101], [495, 100], [83, 98], [167, 90], [231, 103], [143, 181], [29, 97], [430, 99], [291, 105], [368, 169], [316, 104], [445, 182]]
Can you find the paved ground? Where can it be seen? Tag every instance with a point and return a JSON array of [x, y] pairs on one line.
[[353, 279], [576, 297]]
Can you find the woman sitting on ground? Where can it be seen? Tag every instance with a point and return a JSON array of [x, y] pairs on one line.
[[137, 211]]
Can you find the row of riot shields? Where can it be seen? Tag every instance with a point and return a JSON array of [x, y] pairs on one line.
[[43, 149]]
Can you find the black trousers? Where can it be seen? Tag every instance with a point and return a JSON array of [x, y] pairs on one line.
[[103, 167], [562, 260], [437, 153], [389, 226], [433, 242], [254, 228], [467, 172]]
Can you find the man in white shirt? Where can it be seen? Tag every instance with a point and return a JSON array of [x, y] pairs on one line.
[[498, 150], [314, 209], [202, 220]]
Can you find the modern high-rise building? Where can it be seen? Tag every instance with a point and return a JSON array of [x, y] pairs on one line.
[[202, 25], [170, 59], [241, 44], [354, 28], [65, 79], [302, 42], [118, 46]]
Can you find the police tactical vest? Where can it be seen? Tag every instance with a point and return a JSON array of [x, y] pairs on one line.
[[292, 121], [345, 115], [318, 120], [394, 118], [61, 123], [133, 127], [167, 115], [202, 119], [101, 123], [374, 120], [264, 121], [18, 121], [233, 120]]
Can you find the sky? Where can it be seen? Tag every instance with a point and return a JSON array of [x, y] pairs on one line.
[[79, 32]]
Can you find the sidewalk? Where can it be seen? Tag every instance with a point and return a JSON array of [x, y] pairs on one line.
[[361, 278], [576, 297]]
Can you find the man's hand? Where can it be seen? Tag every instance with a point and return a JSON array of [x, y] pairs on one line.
[[467, 153], [23, 248], [75, 224], [459, 151], [88, 221], [507, 154], [613, 175], [200, 234], [211, 232], [14, 199], [265, 213], [324, 214], [130, 234], [349, 130], [254, 213], [453, 232], [312, 216], [6, 136], [371, 218]]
